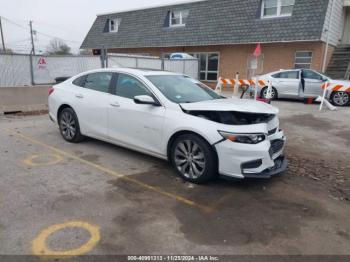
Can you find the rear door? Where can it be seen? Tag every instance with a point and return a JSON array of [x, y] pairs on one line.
[[313, 83], [92, 102], [287, 83], [131, 124]]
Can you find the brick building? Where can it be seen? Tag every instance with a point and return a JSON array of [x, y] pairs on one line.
[[224, 33]]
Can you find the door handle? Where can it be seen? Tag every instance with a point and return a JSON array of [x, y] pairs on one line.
[[115, 104], [79, 96]]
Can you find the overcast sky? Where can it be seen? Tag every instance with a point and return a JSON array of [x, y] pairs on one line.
[[66, 19]]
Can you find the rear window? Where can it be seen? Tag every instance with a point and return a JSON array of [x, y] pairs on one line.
[[98, 81], [80, 81]]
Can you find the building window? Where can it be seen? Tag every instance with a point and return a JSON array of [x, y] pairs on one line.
[[209, 65], [303, 59], [114, 25], [277, 8], [178, 18]]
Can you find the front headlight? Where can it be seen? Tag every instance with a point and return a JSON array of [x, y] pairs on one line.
[[244, 138]]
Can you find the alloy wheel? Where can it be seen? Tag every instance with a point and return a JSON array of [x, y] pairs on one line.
[[341, 98], [190, 159], [273, 93], [68, 125]]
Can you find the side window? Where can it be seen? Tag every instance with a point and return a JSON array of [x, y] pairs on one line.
[[129, 87], [308, 74], [287, 75], [79, 81], [290, 75], [98, 81]]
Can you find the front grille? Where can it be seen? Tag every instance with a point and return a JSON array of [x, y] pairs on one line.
[[276, 146]]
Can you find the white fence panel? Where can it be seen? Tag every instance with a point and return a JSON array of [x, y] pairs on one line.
[[149, 63], [119, 61], [188, 67], [47, 68], [192, 68], [14, 70]]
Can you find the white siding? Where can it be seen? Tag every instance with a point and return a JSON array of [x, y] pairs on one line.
[[337, 26]]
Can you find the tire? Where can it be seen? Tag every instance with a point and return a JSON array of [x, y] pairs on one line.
[[340, 98], [69, 126], [194, 159], [264, 93]]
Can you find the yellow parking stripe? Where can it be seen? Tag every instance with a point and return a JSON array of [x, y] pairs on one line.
[[112, 173]]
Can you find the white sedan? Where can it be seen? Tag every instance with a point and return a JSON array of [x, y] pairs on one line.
[[172, 117], [304, 83]]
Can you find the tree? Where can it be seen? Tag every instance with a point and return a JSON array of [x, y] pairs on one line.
[[7, 51], [85, 52], [58, 47]]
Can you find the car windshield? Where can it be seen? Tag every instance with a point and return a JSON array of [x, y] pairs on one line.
[[181, 89]]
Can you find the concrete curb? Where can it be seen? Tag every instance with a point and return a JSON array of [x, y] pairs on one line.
[[23, 99]]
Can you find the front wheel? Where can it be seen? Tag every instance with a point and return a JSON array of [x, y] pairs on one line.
[[340, 98], [274, 94], [194, 159]]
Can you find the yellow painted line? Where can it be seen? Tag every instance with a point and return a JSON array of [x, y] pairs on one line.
[[113, 173], [31, 160], [40, 248]]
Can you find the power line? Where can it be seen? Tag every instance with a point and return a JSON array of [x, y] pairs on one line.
[[56, 27], [14, 23], [17, 41], [52, 36], [39, 32]]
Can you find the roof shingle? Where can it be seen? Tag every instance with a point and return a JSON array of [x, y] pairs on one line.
[[214, 22]]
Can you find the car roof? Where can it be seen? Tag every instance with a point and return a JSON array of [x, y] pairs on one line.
[[135, 71]]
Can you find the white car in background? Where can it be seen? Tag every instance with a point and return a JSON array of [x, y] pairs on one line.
[[172, 117], [179, 56], [303, 83]]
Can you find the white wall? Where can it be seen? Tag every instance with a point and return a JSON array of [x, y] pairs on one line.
[[337, 25], [346, 35]]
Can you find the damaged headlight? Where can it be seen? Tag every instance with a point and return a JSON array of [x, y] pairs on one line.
[[244, 138]]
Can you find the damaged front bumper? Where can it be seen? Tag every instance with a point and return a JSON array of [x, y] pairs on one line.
[[262, 160]]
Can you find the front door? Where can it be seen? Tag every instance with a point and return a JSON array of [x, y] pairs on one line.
[[313, 83], [135, 125]]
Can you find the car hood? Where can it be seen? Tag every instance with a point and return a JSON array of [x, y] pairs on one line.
[[238, 105], [340, 82]]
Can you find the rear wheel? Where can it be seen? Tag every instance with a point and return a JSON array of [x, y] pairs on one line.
[[274, 94], [69, 126], [193, 159], [340, 98]]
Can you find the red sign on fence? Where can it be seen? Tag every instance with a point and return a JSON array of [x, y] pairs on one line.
[[42, 63]]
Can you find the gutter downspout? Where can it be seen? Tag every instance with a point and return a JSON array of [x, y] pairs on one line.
[[328, 39]]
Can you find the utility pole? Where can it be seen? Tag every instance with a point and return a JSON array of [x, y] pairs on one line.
[[2, 37], [31, 37]]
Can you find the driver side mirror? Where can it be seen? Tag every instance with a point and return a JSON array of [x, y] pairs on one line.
[[324, 79], [146, 100]]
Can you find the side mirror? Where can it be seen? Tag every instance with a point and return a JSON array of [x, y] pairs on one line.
[[145, 100], [324, 79]]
